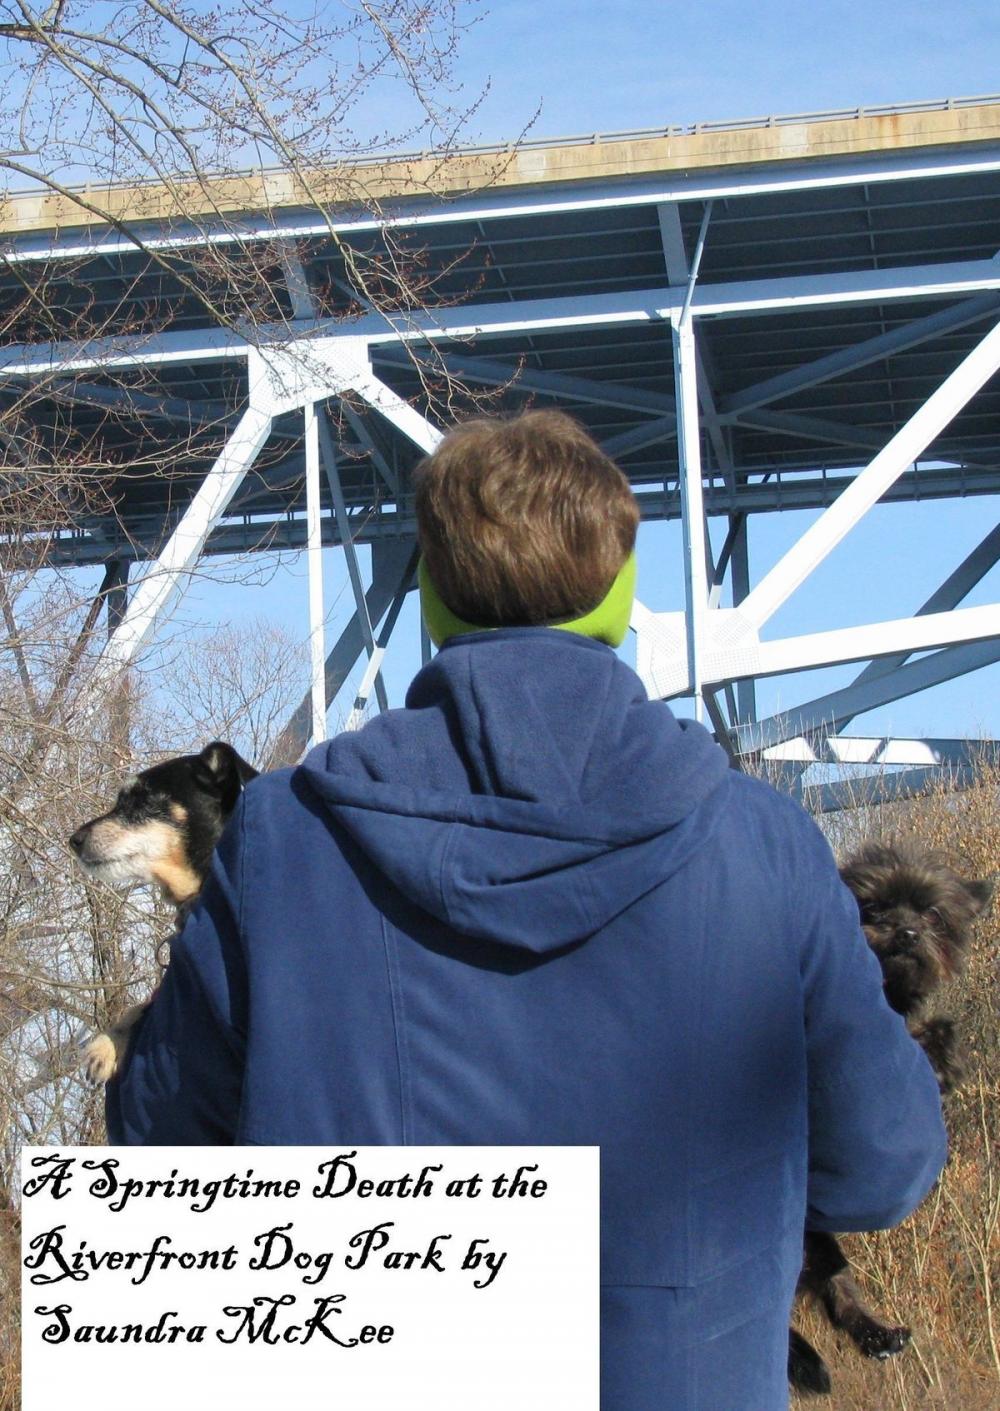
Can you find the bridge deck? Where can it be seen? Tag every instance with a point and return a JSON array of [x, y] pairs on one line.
[[531, 240]]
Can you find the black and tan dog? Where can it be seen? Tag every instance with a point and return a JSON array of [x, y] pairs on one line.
[[917, 915], [162, 829]]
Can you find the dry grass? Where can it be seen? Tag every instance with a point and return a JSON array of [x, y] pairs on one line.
[[940, 1271]]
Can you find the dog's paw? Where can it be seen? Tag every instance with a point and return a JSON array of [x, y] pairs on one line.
[[881, 1342], [99, 1060], [807, 1372]]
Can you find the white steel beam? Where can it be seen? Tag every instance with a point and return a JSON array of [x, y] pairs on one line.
[[692, 504], [619, 309], [314, 564], [907, 634], [812, 291], [368, 680], [128, 351], [678, 269], [729, 648], [880, 750], [907, 444], [672, 240], [746, 691], [181, 551], [297, 283]]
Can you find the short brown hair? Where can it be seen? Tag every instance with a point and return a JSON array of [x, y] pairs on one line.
[[523, 521]]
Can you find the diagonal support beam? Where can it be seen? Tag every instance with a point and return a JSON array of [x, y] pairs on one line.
[[832, 711], [393, 565], [826, 430], [350, 552], [531, 379], [956, 586], [395, 409], [371, 675], [872, 350], [737, 527], [649, 433], [881, 788], [863, 492], [196, 415], [370, 444], [182, 549]]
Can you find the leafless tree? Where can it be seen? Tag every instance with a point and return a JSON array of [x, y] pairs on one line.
[[237, 684], [120, 119], [198, 114]]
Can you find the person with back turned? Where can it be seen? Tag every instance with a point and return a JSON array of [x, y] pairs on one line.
[[534, 907]]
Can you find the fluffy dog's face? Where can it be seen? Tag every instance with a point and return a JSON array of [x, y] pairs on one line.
[[917, 914], [166, 822]]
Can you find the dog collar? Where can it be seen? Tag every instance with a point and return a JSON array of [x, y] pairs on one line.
[[607, 622]]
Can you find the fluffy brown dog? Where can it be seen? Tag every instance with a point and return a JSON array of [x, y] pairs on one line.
[[917, 915]]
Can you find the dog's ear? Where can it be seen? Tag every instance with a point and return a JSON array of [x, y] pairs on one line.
[[981, 893], [224, 771]]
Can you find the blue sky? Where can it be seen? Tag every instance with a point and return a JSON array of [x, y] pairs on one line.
[[646, 62], [653, 62]]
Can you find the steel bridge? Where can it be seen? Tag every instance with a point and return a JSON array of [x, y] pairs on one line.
[[794, 312]]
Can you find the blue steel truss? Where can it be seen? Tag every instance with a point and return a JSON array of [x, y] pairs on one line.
[[743, 340]]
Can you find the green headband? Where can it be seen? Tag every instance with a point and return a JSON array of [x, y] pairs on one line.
[[607, 622]]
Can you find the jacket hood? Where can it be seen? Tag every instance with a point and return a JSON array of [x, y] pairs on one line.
[[528, 793]]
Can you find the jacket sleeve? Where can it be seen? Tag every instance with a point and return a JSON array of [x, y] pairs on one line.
[[182, 1080], [876, 1137]]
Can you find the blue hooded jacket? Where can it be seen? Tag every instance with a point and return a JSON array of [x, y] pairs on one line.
[[534, 907]]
